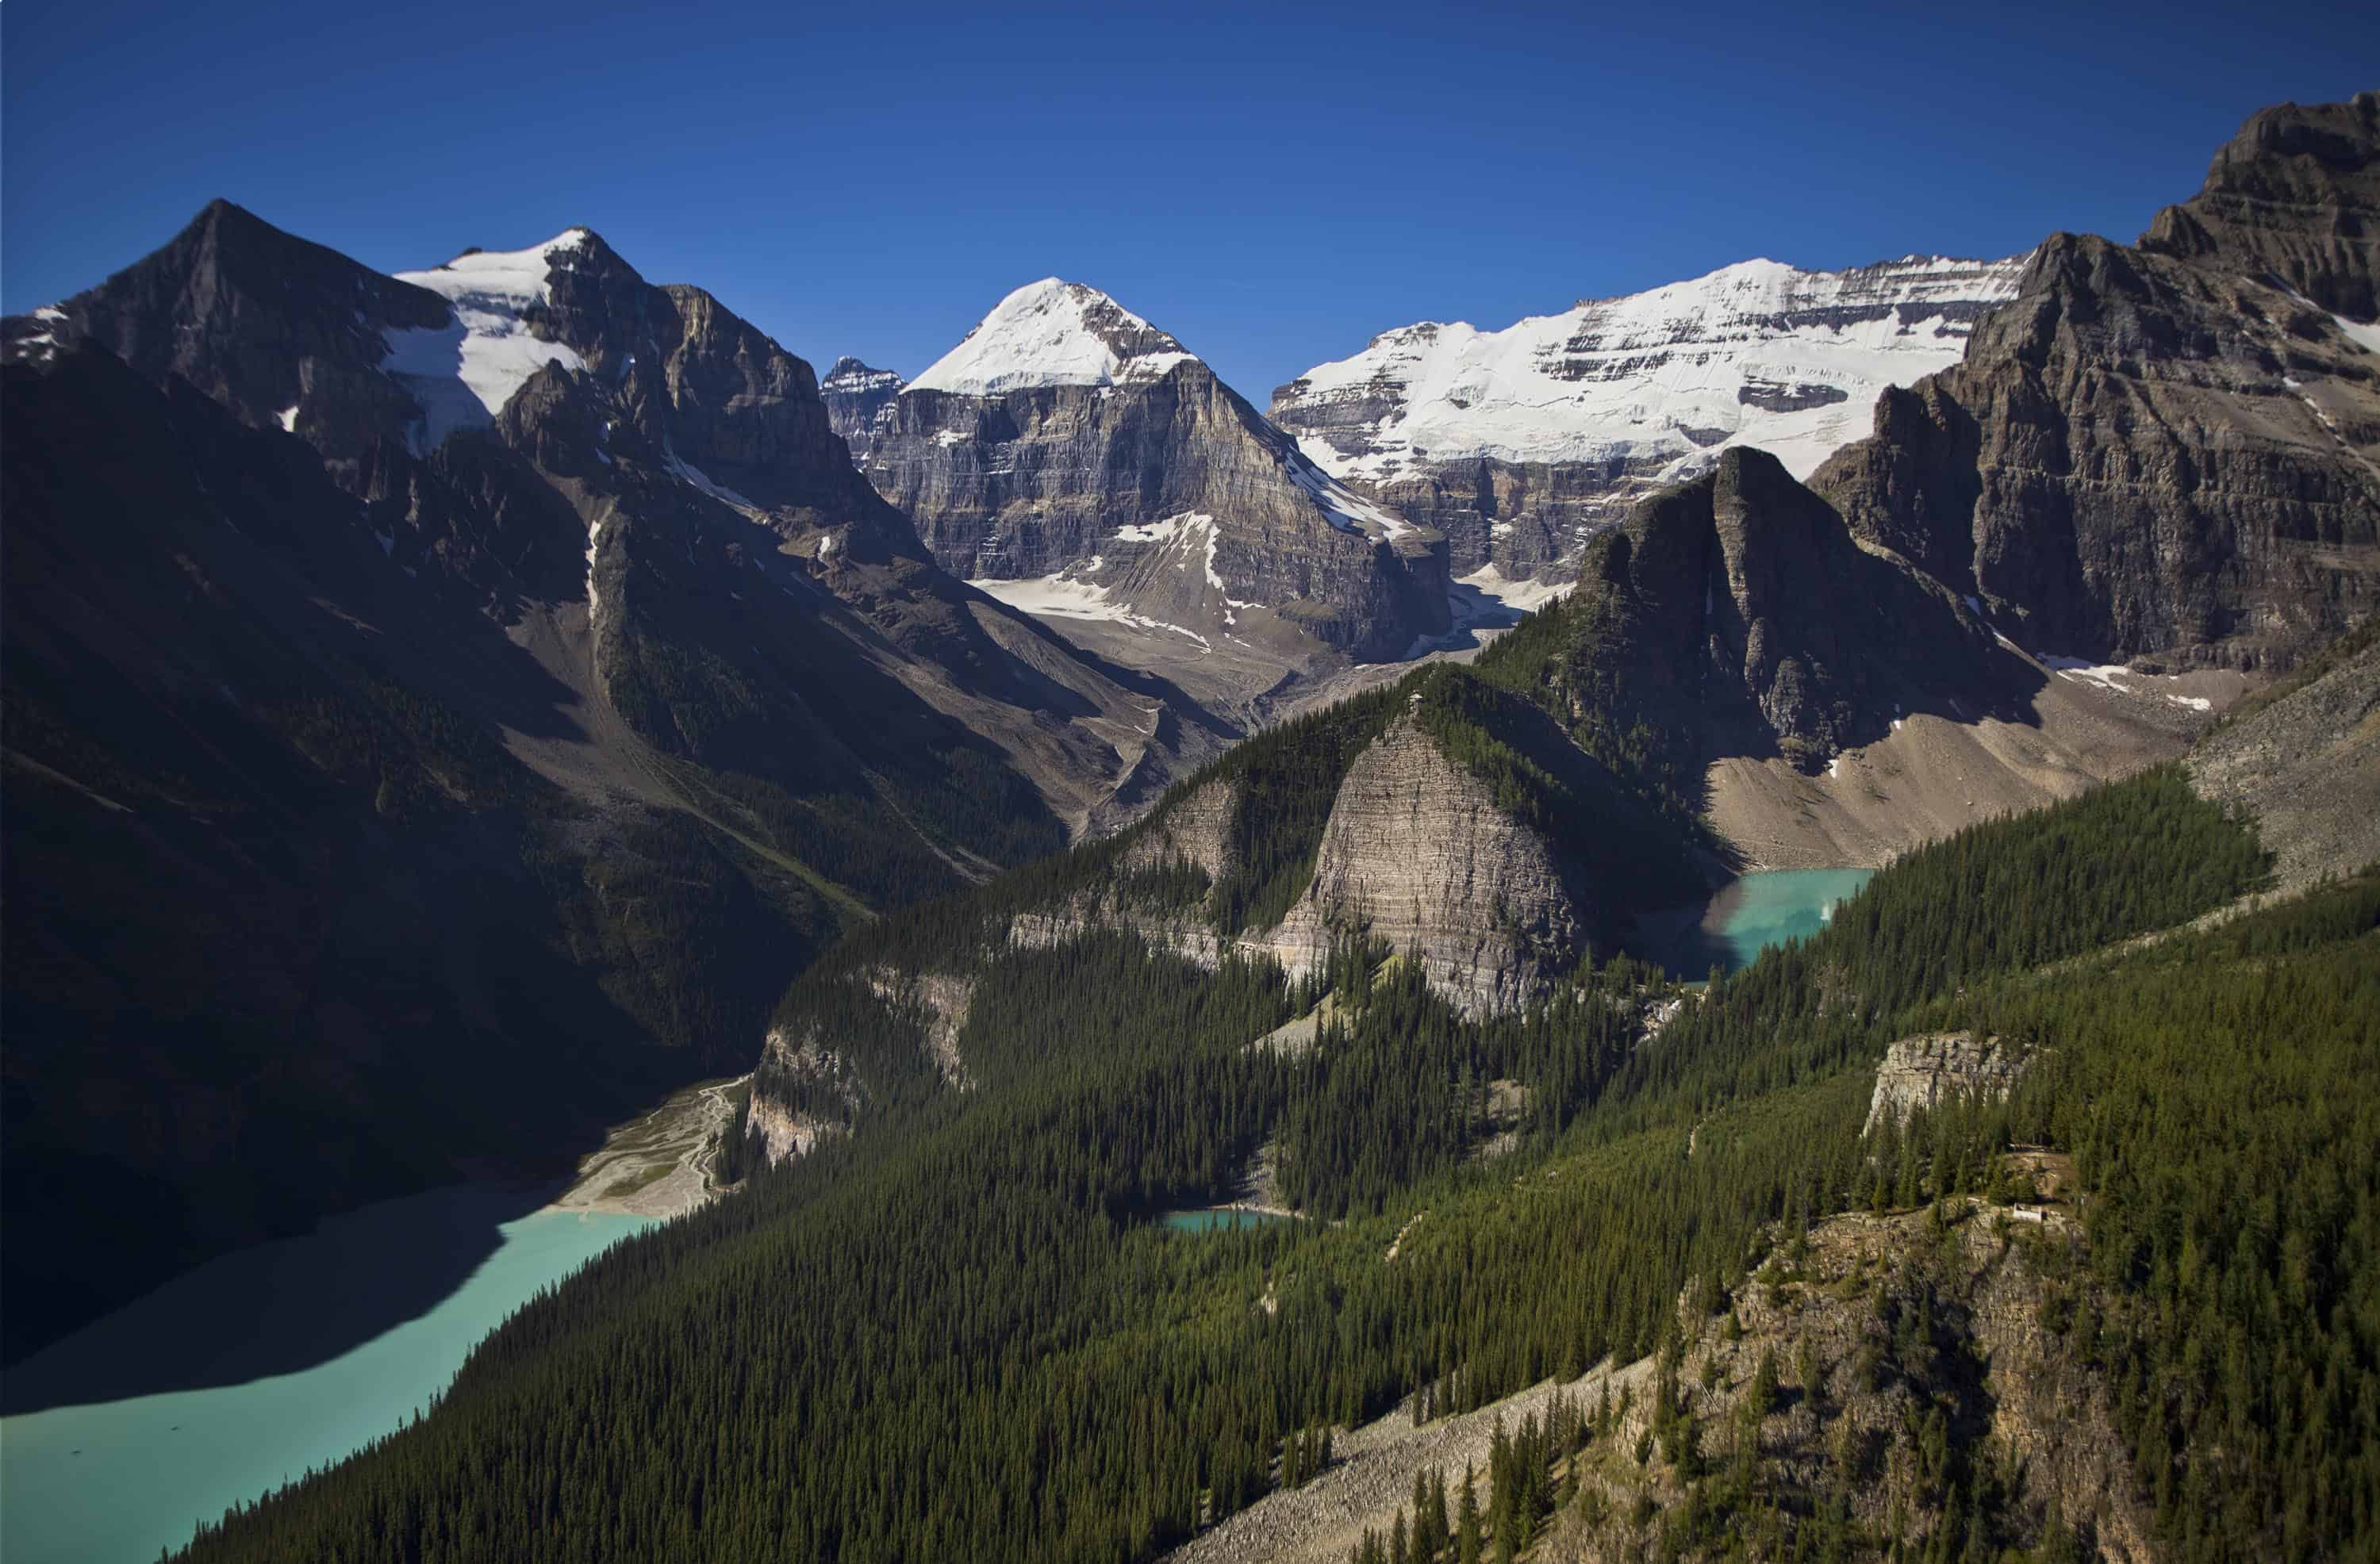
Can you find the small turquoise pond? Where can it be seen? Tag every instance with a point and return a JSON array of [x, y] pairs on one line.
[[103, 1471], [1220, 1219], [1752, 914]]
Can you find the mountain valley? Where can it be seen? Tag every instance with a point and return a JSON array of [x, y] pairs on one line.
[[451, 710]]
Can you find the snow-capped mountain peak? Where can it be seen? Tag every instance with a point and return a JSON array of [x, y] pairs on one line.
[[852, 377], [1517, 442], [1757, 352], [1053, 332], [464, 373]]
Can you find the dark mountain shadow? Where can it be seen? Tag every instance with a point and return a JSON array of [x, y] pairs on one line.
[[281, 1307], [1468, 611], [285, 933]]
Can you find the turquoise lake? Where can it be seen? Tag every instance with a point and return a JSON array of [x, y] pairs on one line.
[[122, 1478], [1753, 913], [1219, 1219]]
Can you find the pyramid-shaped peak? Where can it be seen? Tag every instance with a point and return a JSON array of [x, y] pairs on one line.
[[516, 276], [848, 373], [1053, 332]]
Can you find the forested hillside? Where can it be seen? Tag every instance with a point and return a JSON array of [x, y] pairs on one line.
[[960, 1335]]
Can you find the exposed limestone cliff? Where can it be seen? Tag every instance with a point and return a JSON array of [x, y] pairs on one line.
[[1418, 853], [2307, 767], [1942, 1067], [804, 1092], [941, 1001], [2169, 451], [1070, 444], [1197, 831], [1181, 932]]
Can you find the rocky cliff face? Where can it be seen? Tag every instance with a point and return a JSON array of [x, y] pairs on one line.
[[1940, 1068], [2170, 451], [1418, 853], [1518, 444], [855, 395], [2291, 198], [1074, 460], [2306, 764], [1197, 831], [1736, 615], [424, 668], [811, 1094]]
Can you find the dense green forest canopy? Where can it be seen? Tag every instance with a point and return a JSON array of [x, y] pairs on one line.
[[958, 1333]]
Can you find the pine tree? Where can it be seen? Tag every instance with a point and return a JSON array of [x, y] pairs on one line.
[[1466, 1522], [1761, 1399]]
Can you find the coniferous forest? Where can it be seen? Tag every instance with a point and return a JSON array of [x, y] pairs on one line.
[[957, 1332]]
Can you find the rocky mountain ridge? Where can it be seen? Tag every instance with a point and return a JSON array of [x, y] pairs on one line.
[[502, 653], [853, 395], [1519, 442], [1438, 820], [1078, 463], [2167, 451]]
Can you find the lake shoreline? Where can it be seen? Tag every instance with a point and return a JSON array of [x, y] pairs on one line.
[[247, 1370], [1749, 914], [659, 1164]]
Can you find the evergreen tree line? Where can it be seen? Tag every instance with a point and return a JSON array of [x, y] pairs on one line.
[[956, 1333]]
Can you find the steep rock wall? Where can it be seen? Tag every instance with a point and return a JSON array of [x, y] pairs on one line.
[[1417, 852], [1942, 1067], [2167, 451]]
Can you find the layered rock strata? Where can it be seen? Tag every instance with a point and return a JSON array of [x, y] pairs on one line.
[[1075, 461], [2167, 451], [855, 395], [1518, 443], [1940, 1068], [1418, 853]]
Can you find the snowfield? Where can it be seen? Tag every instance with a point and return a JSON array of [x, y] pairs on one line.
[[1682, 371], [464, 373], [1052, 333]]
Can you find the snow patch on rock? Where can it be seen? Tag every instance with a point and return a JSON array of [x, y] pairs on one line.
[[1053, 333], [464, 371], [1759, 353], [1526, 596]]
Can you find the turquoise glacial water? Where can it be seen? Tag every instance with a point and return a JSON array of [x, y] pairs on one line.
[[1752, 913], [1761, 910], [122, 1478]]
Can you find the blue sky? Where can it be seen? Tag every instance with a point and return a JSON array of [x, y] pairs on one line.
[[1272, 184]]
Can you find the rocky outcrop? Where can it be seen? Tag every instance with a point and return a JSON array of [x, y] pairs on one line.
[[2305, 766], [803, 1092], [1417, 852], [2169, 451], [1518, 443], [1736, 615], [1198, 830], [855, 395], [941, 1002], [1070, 458], [1179, 932], [785, 1132], [1938, 1068], [2292, 198]]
